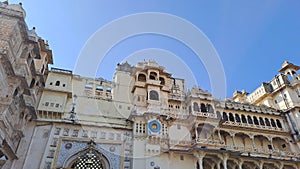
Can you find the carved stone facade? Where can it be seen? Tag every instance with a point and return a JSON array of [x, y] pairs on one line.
[[24, 58], [143, 118]]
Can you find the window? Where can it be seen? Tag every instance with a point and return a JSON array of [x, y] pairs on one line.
[[225, 117], [237, 118], [153, 95], [273, 123], [64, 85], [47, 104], [261, 121], [56, 105], [57, 83], [278, 123], [203, 108], [196, 107], [162, 80], [249, 119], [51, 104], [32, 83], [218, 115], [153, 76], [255, 120], [210, 108], [231, 118], [51, 83], [141, 77], [244, 120], [267, 122]]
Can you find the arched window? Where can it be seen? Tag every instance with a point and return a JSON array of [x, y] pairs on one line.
[[231, 118], [203, 108], [154, 95], [244, 120], [225, 117], [255, 120], [249, 119], [153, 76], [267, 122], [57, 83], [141, 77], [218, 115], [278, 123], [32, 83], [210, 108], [162, 80], [261, 121], [273, 123], [237, 118], [195, 106]]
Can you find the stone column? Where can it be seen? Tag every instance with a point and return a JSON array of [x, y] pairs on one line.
[[219, 135], [233, 140], [252, 139], [240, 164], [225, 157], [196, 132], [261, 164], [271, 142], [199, 156], [213, 166], [219, 164]]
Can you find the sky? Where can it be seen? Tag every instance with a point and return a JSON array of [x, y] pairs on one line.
[[251, 38]]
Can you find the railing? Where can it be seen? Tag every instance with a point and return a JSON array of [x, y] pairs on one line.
[[253, 126], [205, 114]]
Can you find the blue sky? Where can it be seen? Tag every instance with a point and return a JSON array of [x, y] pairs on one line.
[[252, 38]]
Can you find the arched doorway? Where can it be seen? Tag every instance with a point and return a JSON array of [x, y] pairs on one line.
[[89, 158]]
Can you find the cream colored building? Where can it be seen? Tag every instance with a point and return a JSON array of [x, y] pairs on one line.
[[143, 118]]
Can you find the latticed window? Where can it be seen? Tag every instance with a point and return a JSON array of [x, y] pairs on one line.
[[89, 160], [92, 159]]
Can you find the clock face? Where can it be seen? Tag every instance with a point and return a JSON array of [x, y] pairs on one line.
[[154, 126]]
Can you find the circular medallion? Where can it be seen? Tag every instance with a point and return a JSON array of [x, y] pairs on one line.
[[112, 148], [154, 126], [68, 146], [152, 163]]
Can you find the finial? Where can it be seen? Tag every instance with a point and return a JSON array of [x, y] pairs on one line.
[[20, 3]]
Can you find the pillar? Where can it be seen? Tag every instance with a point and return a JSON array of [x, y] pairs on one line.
[[219, 165], [196, 132], [233, 140], [219, 135], [200, 162], [199, 156], [253, 144], [225, 157], [261, 164], [240, 164], [213, 166]]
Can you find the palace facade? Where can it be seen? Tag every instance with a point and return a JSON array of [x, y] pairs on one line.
[[143, 118]]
